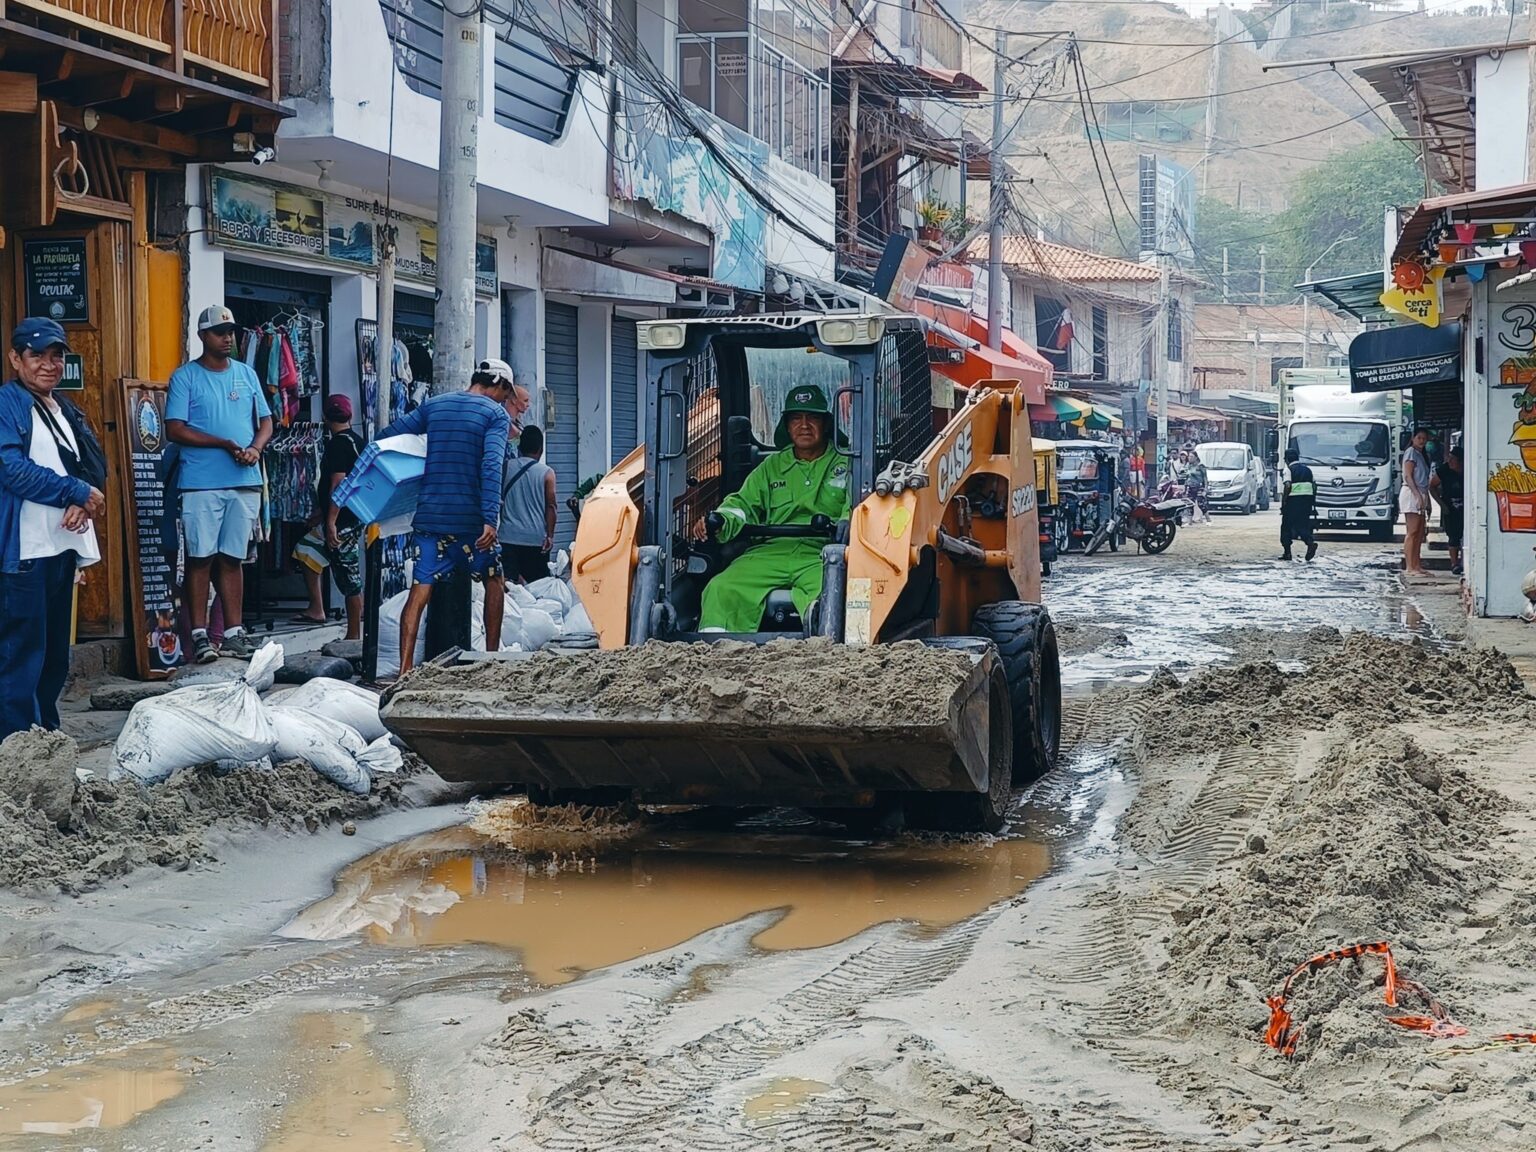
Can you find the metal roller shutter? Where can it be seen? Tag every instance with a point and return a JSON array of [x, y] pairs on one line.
[[625, 361], [560, 440]]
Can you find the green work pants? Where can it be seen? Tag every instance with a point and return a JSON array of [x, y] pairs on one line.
[[734, 599]]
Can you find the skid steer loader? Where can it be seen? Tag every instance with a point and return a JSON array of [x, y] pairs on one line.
[[941, 549]]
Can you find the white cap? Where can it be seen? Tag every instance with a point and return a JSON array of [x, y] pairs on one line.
[[498, 370], [214, 316]]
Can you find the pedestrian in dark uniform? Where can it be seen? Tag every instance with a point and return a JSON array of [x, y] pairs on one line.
[[1296, 505], [1445, 485]]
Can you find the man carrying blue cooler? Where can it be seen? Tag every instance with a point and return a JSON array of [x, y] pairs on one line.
[[218, 414]]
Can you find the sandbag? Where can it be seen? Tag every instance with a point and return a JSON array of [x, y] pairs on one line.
[[577, 622], [306, 666], [331, 748], [554, 609], [551, 589], [539, 628], [199, 724], [339, 700], [382, 757], [224, 670]]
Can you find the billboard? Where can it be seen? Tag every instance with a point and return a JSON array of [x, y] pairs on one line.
[[1167, 208]]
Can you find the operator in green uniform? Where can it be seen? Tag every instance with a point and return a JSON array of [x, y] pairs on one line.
[[805, 478]]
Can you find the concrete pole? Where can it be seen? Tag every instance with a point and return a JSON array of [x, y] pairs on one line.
[[1225, 269], [995, 242], [1161, 362], [1262, 272], [453, 360], [383, 348], [1306, 323], [457, 166]]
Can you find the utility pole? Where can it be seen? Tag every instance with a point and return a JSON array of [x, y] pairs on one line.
[[995, 240], [1262, 271], [453, 360], [1225, 269], [1160, 361], [383, 371], [453, 357]]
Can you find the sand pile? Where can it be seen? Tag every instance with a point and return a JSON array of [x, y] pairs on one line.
[[1381, 680], [788, 682], [554, 830], [57, 832], [1371, 838], [1078, 639]]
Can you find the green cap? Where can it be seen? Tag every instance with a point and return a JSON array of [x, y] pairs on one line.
[[801, 398]]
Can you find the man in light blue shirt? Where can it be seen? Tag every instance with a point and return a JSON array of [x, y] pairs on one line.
[[217, 413]]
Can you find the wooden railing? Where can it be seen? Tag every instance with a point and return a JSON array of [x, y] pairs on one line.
[[233, 38]]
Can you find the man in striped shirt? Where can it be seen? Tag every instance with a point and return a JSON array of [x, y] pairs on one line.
[[459, 504]]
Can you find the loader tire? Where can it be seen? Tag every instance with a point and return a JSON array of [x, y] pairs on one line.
[[1026, 641]]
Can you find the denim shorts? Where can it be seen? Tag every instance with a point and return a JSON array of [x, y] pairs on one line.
[[221, 520], [439, 557]]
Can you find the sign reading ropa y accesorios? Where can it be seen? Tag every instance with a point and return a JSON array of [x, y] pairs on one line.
[[272, 217]]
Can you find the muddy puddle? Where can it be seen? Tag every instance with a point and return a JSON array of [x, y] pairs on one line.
[[782, 1096], [106, 1093], [658, 891]]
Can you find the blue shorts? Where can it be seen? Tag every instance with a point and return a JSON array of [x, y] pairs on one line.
[[221, 520], [439, 557]]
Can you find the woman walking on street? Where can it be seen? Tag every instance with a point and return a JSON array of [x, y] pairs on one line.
[[1413, 499]]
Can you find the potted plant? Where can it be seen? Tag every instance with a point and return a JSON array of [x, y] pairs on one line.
[[932, 215], [959, 227]]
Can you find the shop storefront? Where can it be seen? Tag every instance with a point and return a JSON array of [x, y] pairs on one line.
[[90, 131]]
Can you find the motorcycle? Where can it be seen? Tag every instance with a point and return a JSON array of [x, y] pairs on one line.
[[1151, 523]]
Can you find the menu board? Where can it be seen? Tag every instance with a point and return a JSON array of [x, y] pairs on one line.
[[155, 560], [55, 276]]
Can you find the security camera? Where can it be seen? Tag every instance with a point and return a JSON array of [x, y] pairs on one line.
[[262, 155]]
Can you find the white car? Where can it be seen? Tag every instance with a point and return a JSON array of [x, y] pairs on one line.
[[1230, 477]]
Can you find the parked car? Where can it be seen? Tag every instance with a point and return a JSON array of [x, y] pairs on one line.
[[1231, 481], [1261, 477]]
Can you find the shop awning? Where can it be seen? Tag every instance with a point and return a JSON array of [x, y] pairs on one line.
[[1057, 408], [1514, 204], [1386, 359], [960, 328], [1357, 295], [595, 278], [1189, 414]]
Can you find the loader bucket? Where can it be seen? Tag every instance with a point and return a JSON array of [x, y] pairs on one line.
[[804, 722]]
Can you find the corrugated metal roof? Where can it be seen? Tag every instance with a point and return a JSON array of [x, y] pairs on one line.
[[1514, 203]]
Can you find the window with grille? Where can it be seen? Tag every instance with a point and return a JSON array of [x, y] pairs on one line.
[[1175, 333], [903, 397]]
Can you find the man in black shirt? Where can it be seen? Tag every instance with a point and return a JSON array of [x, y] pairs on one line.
[[1445, 485], [335, 537], [1296, 505]]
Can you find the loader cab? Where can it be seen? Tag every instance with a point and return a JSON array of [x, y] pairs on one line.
[[715, 392]]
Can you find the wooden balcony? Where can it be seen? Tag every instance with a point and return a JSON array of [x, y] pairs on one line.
[[229, 43]]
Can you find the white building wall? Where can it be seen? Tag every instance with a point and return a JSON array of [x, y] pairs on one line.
[[1501, 116]]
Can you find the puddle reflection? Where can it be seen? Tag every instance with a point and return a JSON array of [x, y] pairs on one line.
[[658, 892]]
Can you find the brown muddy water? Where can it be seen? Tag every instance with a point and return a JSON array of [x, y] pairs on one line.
[[106, 1093], [583, 912]]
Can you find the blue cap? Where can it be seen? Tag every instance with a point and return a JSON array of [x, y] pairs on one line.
[[36, 333]]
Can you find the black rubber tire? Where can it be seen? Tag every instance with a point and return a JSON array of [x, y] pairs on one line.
[[1156, 541], [975, 811], [1026, 641]]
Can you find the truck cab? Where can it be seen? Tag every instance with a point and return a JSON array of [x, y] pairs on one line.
[[1350, 441]]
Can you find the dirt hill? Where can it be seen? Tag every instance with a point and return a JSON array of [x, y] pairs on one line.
[[1151, 69]]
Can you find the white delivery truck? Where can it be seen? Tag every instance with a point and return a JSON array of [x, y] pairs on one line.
[[1350, 440]]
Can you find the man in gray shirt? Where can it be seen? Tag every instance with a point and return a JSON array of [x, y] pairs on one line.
[[528, 510]]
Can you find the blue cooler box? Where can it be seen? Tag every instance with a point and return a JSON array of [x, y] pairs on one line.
[[382, 486]]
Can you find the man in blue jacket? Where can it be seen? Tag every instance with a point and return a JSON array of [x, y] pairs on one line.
[[45, 529], [459, 505]]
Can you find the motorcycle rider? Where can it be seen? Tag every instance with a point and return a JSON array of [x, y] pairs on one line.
[[1296, 505]]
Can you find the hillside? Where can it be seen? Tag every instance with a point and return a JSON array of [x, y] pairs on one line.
[[1152, 68]]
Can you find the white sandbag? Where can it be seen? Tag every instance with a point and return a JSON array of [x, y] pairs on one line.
[[577, 621], [381, 757], [339, 700], [554, 608], [560, 565], [314, 739], [519, 594], [389, 631], [539, 628], [337, 731], [199, 724], [551, 589]]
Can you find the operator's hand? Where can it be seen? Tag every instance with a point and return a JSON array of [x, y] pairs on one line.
[[487, 538], [76, 519], [332, 537], [96, 503]]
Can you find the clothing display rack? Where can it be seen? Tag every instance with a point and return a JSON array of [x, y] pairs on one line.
[[292, 459]]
